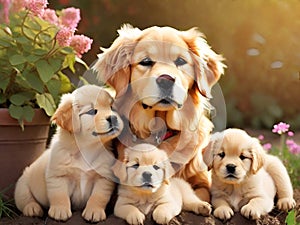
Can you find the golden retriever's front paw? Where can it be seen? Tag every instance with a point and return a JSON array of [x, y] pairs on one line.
[[223, 212], [203, 208], [94, 214], [135, 218], [251, 212], [162, 216], [286, 204], [59, 212], [33, 209]]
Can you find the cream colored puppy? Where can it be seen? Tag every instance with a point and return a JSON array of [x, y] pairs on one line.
[[240, 178], [145, 186], [76, 169]]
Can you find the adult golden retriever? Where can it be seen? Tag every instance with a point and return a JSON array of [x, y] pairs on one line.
[[240, 176], [76, 169], [146, 185], [162, 77]]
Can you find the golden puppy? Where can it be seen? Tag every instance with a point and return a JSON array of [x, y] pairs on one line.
[[145, 186], [240, 178], [76, 169], [162, 77]]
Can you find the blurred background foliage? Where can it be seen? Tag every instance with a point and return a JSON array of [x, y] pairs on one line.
[[260, 40]]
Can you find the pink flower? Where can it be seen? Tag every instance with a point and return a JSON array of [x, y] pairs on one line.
[[81, 44], [293, 147], [267, 146], [64, 35], [280, 128], [70, 17], [4, 13], [50, 16], [37, 7], [261, 137], [290, 133]]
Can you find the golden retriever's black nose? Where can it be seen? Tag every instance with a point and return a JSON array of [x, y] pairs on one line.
[[147, 176], [230, 168], [112, 120], [165, 81]]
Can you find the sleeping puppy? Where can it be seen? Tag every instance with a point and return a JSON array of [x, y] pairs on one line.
[[145, 186], [76, 169], [240, 181], [163, 77]]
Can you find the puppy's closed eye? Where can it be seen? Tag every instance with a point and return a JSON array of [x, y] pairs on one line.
[[221, 155], [242, 157], [147, 62], [180, 61], [91, 112]]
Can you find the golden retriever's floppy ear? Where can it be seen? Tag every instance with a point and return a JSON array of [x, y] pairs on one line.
[[65, 116], [113, 65], [169, 171], [119, 168], [210, 150], [208, 64], [257, 153]]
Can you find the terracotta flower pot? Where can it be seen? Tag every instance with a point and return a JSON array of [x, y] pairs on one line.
[[20, 148]]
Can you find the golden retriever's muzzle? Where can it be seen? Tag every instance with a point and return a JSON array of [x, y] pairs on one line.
[[230, 170], [147, 180], [113, 126]]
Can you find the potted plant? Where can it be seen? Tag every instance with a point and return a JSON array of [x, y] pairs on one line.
[[37, 46]]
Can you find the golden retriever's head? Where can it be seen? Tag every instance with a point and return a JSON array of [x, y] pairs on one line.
[[88, 114], [161, 64], [144, 167], [233, 155]]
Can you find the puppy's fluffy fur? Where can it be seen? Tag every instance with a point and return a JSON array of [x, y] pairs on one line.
[[76, 169], [146, 186], [240, 176], [162, 79]]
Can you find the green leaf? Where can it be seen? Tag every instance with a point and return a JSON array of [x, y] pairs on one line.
[[66, 85], [291, 218], [53, 86], [45, 70], [20, 98], [69, 62], [56, 64], [28, 113], [15, 111], [32, 58], [4, 81], [40, 51], [34, 81], [17, 60], [79, 60], [46, 102], [2, 98]]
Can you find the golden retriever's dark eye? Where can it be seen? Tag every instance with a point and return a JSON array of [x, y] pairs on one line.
[[221, 154], [92, 112], [156, 167], [135, 166], [147, 62], [242, 157], [180, 61]]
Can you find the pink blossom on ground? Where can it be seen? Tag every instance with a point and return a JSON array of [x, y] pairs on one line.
[[291, 133], [293, 147], [81, 44], [70, 17], [261, 137], [4, 13], [267, 146], [37, 7], [281, 128], [50, 16], [64, 35]]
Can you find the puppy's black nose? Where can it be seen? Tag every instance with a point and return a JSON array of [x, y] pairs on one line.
[[165, 81], [230, 168], [112, 120], [147, 176]]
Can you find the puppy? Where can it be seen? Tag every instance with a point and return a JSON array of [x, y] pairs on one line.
[[240, 180], [76, 169], [163, 77], [145, 185]]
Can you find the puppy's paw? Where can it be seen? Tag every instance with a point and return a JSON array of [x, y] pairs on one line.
[[201, 207], [94, 214], [223, 212], [135, 218], [251, 212], [161, 216], [286, 204], [59, 212], [33, 209]]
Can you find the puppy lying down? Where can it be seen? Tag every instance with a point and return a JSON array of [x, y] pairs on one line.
[[241, 180], [145, 185], [76, 168]]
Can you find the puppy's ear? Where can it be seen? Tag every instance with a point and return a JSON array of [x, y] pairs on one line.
[[66, 116], [169, 171], [113, 65], [210, 150], [208, 64], [257, 152], [119, 168]]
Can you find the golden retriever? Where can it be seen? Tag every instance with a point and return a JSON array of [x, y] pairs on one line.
[[162, 77], [76, 169], [145, 185], [240, 176]]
